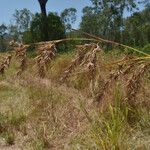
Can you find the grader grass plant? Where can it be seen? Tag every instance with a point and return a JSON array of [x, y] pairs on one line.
[[5, 63], [46, 53], [97, 101]]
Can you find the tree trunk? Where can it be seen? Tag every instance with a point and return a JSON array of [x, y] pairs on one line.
[[43, 6], [44, 27]]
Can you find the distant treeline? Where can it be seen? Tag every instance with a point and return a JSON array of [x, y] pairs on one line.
[[103, 18]]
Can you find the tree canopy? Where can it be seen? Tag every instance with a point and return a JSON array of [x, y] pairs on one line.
[[106, 18], [55, 30]]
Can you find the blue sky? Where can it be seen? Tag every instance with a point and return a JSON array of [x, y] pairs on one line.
[[7, 7]]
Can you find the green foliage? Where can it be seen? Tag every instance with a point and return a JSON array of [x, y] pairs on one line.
[[113, 124], [38, 144], [146, 49], [3, 30], [137, 28], [22, 19], [69, 17], [27, 37], [8, 123], [13, 32], [56, 29], [105, 18], [31, 51], [108, 128], [79, 81], [9, 137], [90, 22]]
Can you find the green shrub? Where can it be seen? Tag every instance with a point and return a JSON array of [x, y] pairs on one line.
[[146, 49]]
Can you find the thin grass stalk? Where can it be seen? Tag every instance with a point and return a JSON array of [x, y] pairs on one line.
[[111, 42]]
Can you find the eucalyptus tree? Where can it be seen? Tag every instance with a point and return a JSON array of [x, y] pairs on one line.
[[22, 19], [20, 23], [137, 28], [107, 17], [69, 17]]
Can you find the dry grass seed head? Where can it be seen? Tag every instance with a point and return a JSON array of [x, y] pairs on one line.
[[5, 64], [46, 53], [134, 83], [20, 53], [82, 55]]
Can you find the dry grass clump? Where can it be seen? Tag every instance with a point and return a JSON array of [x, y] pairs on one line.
[[113, 76], [88, 61], [81, 50], [56, 119], [20, 53], [130, 76], [134, 83], [5, 64], [83, 57], [46, 53], [12, 112], [82, 71], [53, 116]]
